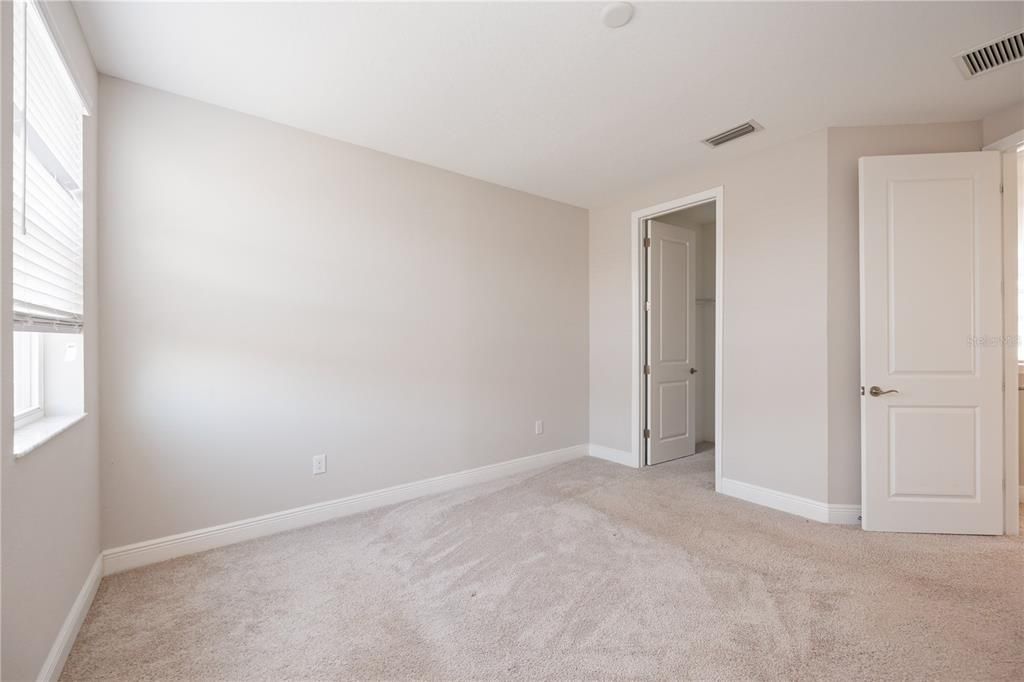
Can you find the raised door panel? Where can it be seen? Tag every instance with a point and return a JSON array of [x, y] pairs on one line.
[[931, 269]]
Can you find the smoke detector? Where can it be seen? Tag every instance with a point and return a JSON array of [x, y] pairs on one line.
[[617, 14], [992, 55]]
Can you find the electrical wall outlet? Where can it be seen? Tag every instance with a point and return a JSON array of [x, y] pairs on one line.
[[538, 427], [319, 464]]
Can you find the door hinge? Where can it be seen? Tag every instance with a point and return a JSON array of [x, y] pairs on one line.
[[647, 370], [1001, 188], [647, 433], [647, 242], [647, 306]]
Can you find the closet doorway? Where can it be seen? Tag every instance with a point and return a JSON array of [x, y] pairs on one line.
[[677, 405]]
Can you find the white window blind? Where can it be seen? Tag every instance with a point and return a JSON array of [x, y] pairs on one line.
[[47, 196]]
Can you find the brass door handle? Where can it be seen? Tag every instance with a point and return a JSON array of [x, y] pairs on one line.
[[875, 391]]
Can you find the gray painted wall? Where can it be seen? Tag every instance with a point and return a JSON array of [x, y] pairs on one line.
[[270, 294], [1000, 124], [705, 320], [775, 352]]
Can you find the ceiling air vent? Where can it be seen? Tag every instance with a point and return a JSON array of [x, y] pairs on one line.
[[733, 133], [992, 55]]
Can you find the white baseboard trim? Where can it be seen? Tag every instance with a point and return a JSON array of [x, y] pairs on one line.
[[54, 663], [792, 504], [845, 514], [161, 549], [613, 455]]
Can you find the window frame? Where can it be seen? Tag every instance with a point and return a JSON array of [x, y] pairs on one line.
[[1020, 262], [44, 414], [36, 383]]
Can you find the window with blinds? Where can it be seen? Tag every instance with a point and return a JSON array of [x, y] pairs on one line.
[[47, 187]]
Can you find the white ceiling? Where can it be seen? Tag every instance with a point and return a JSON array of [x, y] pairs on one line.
[[546, 99]]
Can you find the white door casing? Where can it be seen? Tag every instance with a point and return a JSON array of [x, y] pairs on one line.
[[931, 326], [671, 344]]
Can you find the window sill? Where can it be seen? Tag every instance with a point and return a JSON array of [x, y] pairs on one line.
[[31, 436]]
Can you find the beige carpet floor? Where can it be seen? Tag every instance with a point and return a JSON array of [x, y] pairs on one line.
[[587, 570]]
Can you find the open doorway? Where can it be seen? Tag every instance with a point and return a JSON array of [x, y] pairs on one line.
[[678, 330]]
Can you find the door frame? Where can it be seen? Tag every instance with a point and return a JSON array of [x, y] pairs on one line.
[[638, 409], [1013, 491]]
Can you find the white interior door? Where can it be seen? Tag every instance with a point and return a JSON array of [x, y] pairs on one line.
[[931, 356], [670, 341]]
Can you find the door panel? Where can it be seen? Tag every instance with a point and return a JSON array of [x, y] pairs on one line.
[[671, 384], [932, 288], [674, 407], [924, 435], [672, 290], [931, 324]]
